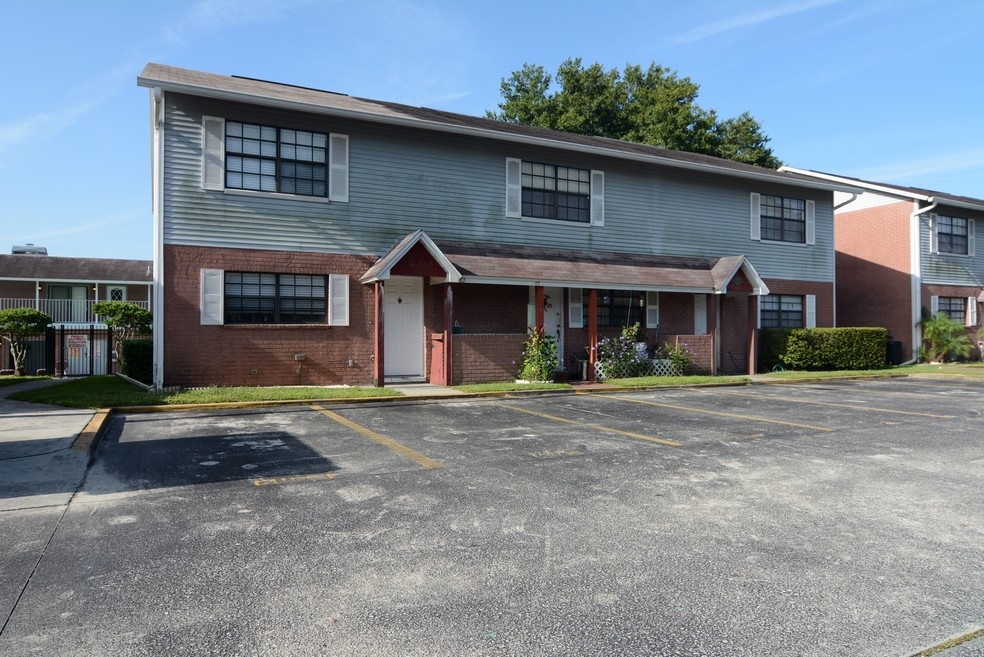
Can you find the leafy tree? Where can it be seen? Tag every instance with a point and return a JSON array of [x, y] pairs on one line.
[[16, 326], [127, 319], [944, 337], [651, 106]]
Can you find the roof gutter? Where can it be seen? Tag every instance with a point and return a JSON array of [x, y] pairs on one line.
[[401, 121]]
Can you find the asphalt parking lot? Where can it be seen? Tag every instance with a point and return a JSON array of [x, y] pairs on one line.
[[816, 519]]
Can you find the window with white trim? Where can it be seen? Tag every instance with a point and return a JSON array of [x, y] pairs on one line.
[[261, 158], [539, 190], [953, 234], [622, 308], [229, 297], [954, 307], [781, 311], [782, 219]]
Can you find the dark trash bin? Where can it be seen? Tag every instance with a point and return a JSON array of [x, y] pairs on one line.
[[894, 352]]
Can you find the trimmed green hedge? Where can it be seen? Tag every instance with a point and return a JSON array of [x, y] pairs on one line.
[[824, 349], [138, 360]]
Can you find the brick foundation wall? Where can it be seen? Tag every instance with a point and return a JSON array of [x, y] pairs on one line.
[[257, 354], [701, 348], [483, 358]]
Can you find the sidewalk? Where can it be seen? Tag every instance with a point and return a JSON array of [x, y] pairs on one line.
[[38, 467]]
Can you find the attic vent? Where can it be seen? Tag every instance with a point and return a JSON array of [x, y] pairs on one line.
[[29, 249]]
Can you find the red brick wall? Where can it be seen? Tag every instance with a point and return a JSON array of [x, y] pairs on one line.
[[251, 354], [874, 284], [483, 358]]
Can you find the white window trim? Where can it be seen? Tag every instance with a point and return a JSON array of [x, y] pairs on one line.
[[213, 166], [338, 300], [652, 309], [755, 222], [514, 197], [934, 239], [810, 311]]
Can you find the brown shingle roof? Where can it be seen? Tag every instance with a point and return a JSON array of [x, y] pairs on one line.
[[56, 268], [287, 96]]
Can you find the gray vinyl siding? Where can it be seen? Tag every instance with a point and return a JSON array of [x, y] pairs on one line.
[[453, 188], [950, 269]]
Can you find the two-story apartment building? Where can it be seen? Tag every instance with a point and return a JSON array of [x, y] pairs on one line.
[[66, 289], [903, 252], [304, 236]]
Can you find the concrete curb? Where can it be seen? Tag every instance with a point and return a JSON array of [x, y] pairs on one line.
[[89, 438]]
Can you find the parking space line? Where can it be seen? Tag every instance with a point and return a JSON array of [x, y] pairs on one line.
[[399, 448], [652, 439], [721, 413], [820, 403]]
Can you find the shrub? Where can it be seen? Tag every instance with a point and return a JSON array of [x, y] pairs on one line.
[[138, 360], [540, 358], [944, 337], [619, 357], [828, 349]]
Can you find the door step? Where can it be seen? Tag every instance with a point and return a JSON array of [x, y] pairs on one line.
[[397, 380]]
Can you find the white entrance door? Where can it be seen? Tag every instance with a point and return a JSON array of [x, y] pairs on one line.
[[553, 319], [403, 326]]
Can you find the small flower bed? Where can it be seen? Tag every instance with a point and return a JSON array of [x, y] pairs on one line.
[[624, 357]]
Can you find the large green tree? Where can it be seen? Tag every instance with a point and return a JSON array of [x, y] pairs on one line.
[[651, 106]]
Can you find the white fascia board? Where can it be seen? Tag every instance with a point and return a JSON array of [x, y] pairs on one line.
[[73, 281], [767, 175], [600, 285]]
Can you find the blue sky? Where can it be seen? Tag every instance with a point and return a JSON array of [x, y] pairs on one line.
[[890, 91]]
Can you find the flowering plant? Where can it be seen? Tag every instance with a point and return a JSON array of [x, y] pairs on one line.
[[678, 354], [540, 359], [620, 357]]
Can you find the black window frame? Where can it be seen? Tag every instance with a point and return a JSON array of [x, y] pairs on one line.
[[278, 298], [951, 240], [948, 304], [782, 219], [547, 192], [617, 308], [783, 314], [287, 160]]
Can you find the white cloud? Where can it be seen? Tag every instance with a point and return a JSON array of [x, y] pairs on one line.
[[924, 167], [82, 228], [745, 20], [208, 16]]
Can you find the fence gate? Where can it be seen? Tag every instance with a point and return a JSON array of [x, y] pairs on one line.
[[79, 350]]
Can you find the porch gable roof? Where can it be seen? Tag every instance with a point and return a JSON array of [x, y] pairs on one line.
[[382, 269]]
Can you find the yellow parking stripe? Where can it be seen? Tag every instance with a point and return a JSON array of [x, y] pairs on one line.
[[734, 415], [652, 439], [400, 449], [820, 403]]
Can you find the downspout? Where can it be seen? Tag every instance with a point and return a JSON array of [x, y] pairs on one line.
[[157, 200], [838, 206], [915, 265]]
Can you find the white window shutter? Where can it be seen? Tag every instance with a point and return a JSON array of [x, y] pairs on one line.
[[338, 177], [755, 218], [811, 227], [338, 300], [210, 302], [213, 153], [597, 198], [811, 311], [652, 310], [970, 237], [934, 245], [934, 305], [700, 314], [971, 311], [514, 188], [575, 307]]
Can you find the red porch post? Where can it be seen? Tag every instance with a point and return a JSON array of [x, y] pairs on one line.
[[712, 305], [538, 310], [592, 332], [448, 335], [752, 334], [378, 367]]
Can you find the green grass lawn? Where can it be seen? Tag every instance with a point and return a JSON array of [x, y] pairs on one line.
[[111, 391], [107, 391]]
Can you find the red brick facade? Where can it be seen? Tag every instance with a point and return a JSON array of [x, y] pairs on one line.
[[874, 271]]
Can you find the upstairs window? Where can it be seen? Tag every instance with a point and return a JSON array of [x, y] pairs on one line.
[[260, 158], [782, 219], [552, 192], [538, 190], [952, 235], [268, 159]]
